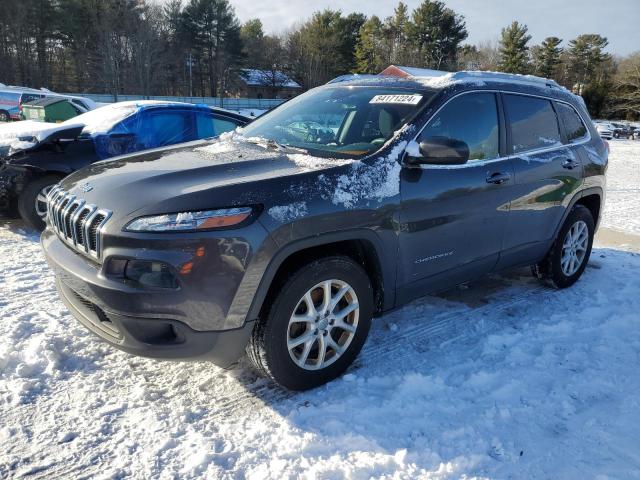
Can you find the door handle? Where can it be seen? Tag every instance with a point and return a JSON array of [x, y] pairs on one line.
[[498, 178], [570, 164]]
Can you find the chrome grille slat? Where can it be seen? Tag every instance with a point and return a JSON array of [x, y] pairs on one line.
[[77, 223]]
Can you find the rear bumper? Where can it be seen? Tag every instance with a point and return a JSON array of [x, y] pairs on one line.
[[156, 338]]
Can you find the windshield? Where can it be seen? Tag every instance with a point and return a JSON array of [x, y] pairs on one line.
[[103, 118], [340, 121]]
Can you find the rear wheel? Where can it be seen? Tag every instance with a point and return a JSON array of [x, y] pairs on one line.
[[316, 324], [32, 202], [570, 252], [4, 116]]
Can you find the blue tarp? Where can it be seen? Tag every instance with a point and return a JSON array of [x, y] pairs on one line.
[[157, 127]]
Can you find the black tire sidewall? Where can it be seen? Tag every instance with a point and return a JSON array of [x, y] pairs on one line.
[[279, 363], [5, 114], [27, 198], [557, 275]]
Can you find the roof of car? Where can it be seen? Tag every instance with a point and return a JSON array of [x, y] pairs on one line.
[[427, 79]]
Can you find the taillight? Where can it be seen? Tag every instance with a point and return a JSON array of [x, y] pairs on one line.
[[606, 144]]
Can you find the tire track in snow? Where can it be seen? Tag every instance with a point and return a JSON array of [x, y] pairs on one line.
[[383, 355]]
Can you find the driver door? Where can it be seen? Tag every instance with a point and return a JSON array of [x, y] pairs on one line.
[[453, 217]]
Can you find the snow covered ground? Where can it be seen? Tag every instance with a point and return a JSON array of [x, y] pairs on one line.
[[500, 379]]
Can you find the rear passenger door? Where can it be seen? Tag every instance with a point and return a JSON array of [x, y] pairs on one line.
[[548, 172]]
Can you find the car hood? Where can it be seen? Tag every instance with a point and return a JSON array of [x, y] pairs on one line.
[[197, 175]]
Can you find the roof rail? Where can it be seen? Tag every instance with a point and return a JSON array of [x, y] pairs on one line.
[[469, 75], [505, 77], [351, 76]]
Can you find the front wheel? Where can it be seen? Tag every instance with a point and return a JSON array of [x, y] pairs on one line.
[[4, 116], [316, 325], [32, 202], [570, 252]]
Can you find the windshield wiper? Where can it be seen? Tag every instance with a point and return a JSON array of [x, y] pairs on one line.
[[275, 145]]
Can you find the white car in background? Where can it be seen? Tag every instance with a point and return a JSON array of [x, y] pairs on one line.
[[605, 130]]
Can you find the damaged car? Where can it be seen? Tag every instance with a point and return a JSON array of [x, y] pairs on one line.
[[34, 156]]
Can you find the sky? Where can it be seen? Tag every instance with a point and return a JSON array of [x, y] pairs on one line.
[[618, 20]]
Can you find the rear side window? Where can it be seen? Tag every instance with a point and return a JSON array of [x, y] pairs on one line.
[[573, 124], [533, 122], [471, 118]]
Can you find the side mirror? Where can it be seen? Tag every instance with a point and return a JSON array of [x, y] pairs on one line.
[[438, 151]]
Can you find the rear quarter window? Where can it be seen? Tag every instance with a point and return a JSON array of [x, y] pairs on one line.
[[573, 124], [533, 123]]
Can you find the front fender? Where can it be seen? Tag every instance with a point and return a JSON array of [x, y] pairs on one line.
[[386, 265]]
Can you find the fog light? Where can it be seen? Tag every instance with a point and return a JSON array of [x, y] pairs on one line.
[[152, 274]]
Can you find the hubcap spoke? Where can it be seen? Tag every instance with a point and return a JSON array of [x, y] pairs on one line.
[[338, 296], [345, 326], [322, 351], [41, 201], [346, 311], [300, 340]]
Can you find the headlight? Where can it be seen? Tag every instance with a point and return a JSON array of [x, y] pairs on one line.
[[190, 221]]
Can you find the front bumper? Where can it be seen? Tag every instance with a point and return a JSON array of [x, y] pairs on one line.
[[9, 178], [203, 319], [156, 338]]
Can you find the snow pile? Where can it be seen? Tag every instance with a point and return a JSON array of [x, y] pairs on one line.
[[309, 162], [288, 213], [27, 133], [623, 187]]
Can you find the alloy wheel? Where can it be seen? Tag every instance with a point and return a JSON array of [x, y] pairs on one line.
[[41, 202], [323, 324], [574, 248]]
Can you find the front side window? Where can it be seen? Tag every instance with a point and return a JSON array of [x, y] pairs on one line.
[[534, 124], [340, 121], [471, 118], [573, 124], [210, 125]]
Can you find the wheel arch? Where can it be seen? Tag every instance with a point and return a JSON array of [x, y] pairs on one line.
[[363, 246], [591, 198]]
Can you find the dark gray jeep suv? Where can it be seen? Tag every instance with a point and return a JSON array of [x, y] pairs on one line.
[[285, 238]]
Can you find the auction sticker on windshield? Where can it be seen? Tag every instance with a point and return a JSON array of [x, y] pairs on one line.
[[404, 99]]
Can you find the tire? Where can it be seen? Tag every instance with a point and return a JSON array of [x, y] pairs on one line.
[[268, 348], [27, 200], [552, 269], [4, 116]]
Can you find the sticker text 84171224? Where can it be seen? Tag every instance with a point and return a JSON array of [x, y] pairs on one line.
[[403, 99]]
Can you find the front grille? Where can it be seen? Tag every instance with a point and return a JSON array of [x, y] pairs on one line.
[[76, 222]]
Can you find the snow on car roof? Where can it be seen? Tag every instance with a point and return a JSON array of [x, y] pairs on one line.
[[102, 119]]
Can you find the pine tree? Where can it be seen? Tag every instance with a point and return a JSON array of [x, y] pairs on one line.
[[435, 32], [545, 58], [396, 32], [369, 47], [252, 36], [514, 53], [586, 57]]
